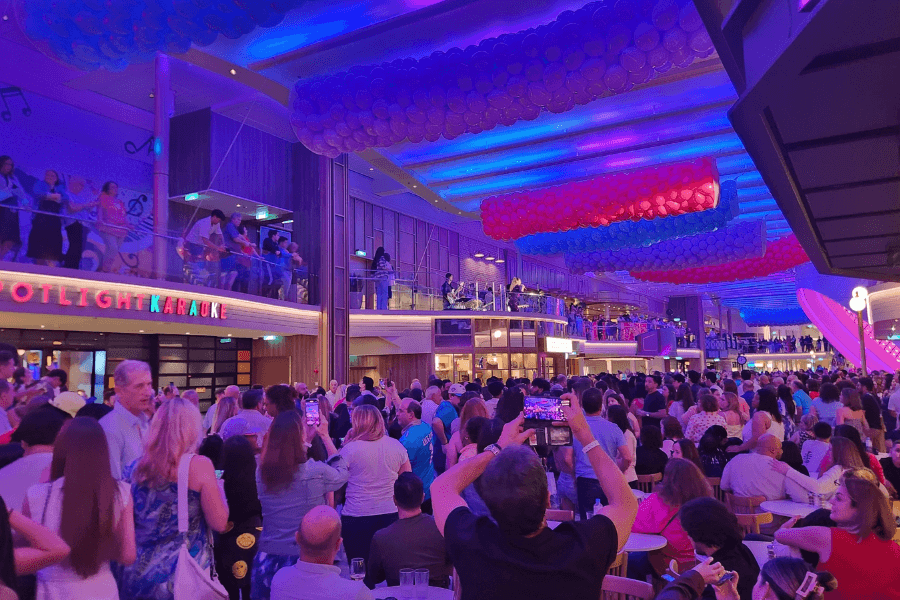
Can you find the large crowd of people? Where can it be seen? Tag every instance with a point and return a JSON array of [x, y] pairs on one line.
[[287, 490]]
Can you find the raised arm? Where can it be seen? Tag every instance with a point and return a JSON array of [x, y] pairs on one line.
[[44, 547], [211, 501], [622, 506]]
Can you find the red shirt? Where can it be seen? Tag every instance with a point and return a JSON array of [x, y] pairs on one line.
[[869, 570]]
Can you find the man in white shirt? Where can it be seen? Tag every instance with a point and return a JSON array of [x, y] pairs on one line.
[[249, 421], [331, 394], [430, 405], [315, 577], [752, 474], [894, 402], [37, 434], [127, 425], [813, 451], [6, 400], [199, 238]]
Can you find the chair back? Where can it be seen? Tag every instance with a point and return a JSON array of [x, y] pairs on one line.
[[743, 505], [716, 484], [620, 588], [646, 482], [619, 567], [560, 515], [750, 523]]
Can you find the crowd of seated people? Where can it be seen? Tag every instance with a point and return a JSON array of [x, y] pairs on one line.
[[299, 487]]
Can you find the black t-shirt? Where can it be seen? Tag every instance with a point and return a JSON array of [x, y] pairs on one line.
[[891, 473], [736, 558], [650, 461], [652, 403], [567, 563]]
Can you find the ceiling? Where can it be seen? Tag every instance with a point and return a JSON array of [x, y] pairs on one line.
[[820, 115], [680, 115]]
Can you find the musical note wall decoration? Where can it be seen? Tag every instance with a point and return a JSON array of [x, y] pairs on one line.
[[12, 92], [132, 148]]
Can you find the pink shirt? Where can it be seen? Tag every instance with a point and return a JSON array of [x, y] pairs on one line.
[[658, 518]]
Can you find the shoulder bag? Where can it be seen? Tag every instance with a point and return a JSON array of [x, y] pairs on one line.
[[192, 582]]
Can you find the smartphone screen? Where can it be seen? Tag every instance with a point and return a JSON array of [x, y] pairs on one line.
[[543, 409], [312, 412], [219, 473]]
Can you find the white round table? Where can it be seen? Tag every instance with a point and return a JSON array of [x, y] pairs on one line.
[[639, 494], [789, 508], [434, 593], [644, 542]]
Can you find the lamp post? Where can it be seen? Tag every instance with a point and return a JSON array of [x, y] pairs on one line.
[[858, 303]]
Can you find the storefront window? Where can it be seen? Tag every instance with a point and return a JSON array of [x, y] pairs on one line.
[[522, 334], [523, 365], [452, 333], [455, 367], [492, 365]]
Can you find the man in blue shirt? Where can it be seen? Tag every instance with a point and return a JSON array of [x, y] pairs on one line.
[[611, 439], [801, 398], [418, 439], [442, 424]]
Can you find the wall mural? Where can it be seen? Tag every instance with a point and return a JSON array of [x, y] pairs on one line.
[[64, 139]]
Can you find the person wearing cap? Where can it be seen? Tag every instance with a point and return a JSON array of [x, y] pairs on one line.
[[249, 421], [68, 402], [37, 434]]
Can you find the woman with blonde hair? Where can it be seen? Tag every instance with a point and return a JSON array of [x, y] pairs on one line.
[[89, 509], [515, 293], [474, 407], [173, 437], [375, 461], [859, 551], [734, 418], [227, 408]]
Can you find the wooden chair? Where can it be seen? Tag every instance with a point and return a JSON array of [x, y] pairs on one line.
[[619, 567], [560, 515], [716, 484], [743, 505], [646, 482], [620, 588], [750, 523]]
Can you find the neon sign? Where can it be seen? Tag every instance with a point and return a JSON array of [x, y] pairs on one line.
[[24, 292]]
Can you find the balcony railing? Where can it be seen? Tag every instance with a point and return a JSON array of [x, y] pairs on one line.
[[134, 251], [406, 294]]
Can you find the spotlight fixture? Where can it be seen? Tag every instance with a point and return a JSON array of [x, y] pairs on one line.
[[233, 72], [152, 95], [479, 254]]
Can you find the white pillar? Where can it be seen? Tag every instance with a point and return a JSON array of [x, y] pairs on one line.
[[162, 111]]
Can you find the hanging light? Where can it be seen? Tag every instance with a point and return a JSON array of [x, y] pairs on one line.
[[479, 254]]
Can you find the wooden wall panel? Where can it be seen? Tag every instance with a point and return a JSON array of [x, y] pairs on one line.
[[189, 160], [258, 166], [303, 351], [402, 368]]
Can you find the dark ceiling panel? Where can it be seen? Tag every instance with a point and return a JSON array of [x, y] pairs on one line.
[[859, 226], [864, 246], [857, 161], [855, 262], [822, 103], [834, 203]]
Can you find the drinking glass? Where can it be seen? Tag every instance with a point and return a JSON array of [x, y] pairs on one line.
[[357, 569], [407, 583], [422, 579]]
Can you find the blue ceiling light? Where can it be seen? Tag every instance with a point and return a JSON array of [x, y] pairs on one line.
[[280, 41]]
